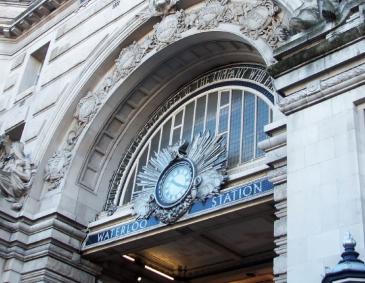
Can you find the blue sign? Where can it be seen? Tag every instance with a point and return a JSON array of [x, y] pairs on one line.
[[228, 198]]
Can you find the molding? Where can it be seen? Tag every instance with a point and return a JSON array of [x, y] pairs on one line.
[[319, 90], [273, 142], [32, 15], [30, 227], [54, 237], [169, 30]]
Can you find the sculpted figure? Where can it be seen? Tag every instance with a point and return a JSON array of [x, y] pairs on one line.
[[162, 6], [16, 171], [313, 12]]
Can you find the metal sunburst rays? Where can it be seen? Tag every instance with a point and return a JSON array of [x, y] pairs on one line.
[[208, 154]]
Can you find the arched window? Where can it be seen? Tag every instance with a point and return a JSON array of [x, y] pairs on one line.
[[238, 113]]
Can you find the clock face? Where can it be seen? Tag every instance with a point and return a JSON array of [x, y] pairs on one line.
[[174, 183]]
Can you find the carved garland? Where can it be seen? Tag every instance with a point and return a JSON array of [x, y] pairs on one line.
[[257, 19]]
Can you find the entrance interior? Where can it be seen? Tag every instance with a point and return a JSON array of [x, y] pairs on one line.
[[232, 245]]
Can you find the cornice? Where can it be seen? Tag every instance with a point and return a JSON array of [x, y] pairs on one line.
[[319, 90], [36, 12]]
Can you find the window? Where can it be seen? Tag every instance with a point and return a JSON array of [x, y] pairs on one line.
[[33, 68], [15, 133], [238, 114]]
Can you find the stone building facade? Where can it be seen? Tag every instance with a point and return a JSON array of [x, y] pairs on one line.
[[186, 140]]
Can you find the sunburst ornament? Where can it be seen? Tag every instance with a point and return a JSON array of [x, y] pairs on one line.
[[179, 175]]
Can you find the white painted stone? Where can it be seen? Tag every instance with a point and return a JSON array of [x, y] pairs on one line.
[[33, 128], [15, 116]]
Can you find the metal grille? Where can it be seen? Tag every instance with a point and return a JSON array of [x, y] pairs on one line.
[[239, 114]]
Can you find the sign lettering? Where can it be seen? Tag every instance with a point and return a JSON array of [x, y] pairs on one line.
[[228, 198]]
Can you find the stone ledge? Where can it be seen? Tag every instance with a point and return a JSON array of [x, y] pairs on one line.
[[32, 15], [319, 90], [29, 227], [316, 43]]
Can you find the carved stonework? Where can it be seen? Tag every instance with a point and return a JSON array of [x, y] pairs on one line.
[[169, 29], [128, 59], [56, 168], [312, 13], [256, 19], [211, 14], [318, 89], [59, 162], [16, 172], [104, 90], [206, 158], [162, 6], [87, 107]]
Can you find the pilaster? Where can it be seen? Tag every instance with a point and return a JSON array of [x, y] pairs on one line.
[[275, 156]]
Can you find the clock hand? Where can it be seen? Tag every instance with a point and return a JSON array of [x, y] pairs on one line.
[[173, 182]]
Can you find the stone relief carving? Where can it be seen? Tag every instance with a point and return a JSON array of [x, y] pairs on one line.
[[163, 7], [212, 14], [59, 162], [128, 59], [16, 172], [56, 167], [256, 17], [87, 107], [167, 31], [313, 12]]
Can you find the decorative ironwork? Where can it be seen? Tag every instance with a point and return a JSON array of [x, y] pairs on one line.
[[205, 159], [246, 72]]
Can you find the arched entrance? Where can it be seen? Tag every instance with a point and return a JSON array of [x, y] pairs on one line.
[[224, 233], [217, 73]]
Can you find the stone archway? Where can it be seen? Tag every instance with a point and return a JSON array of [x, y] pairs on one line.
[[218, 23], [215, 19]]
